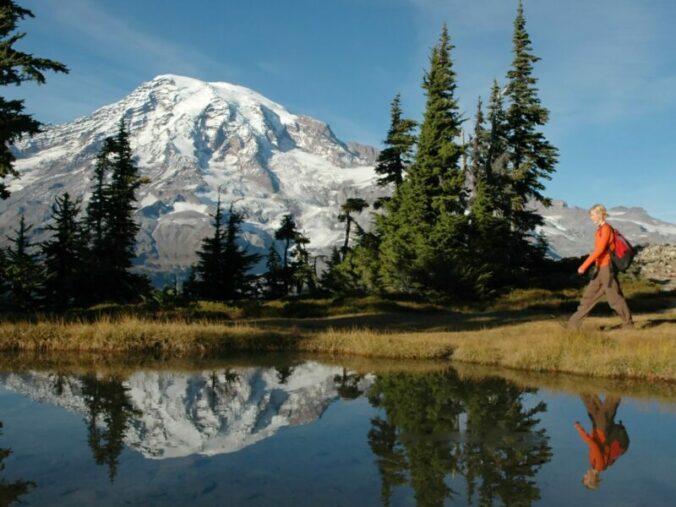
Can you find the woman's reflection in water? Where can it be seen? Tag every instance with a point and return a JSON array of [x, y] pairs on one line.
[[608, 440]]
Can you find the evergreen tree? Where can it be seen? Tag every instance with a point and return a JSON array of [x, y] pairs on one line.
[[331, 279], [424, 232], [365, 264], [489, 231], [121, 225], [96, 225], [436, 170], [64, 254], [208, 273], [479, 148], [287, 233], [16, 67], [531, 157], [236, 262], [110, 223], [22, 271], [396, 157], [3, 278], [497, 152], [302, 270], [352, 205], [357, 273], [191, 289], [222, 270], [274, 275]]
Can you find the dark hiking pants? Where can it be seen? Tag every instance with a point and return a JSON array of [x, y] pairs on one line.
[[601, 413], [604, 282]]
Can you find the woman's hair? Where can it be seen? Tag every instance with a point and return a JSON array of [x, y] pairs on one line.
[[600, 208]]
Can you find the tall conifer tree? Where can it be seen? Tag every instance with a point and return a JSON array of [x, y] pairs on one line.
[[303, 270], [424, 230], [110, 221], [23, 272], [437, 167], [531, 157], [208, 270], [3, 278], [64, 254], [351, 206], [287, 233], [16, 67], [489, 230], [273, 275], [222, 270], [236, 262], [395, 158], [122, 228]]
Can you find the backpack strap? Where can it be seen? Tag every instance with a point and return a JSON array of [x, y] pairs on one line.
[[611, 242]]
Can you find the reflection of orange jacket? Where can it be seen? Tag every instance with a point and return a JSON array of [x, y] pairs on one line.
[[601, 453], [601, 253]]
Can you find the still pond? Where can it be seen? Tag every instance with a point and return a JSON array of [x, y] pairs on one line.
[[316, 432]]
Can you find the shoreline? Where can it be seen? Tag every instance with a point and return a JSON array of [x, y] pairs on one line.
[[534, 344]]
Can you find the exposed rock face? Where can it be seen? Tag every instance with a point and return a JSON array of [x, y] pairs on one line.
[[658, 262]]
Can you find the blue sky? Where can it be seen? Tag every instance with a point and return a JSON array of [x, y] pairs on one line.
[[607, 74]]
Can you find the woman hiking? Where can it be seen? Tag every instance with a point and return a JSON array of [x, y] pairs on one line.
[[604, 280]]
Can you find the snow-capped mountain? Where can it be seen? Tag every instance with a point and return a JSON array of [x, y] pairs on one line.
[[192, 138], [570, 232], [209, 413]]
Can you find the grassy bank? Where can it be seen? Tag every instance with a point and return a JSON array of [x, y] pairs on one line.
[[520, 331]]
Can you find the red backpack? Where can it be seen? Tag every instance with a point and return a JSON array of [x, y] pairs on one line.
[[621, 251]]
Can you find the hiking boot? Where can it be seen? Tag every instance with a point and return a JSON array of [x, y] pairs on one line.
[[565, 324]]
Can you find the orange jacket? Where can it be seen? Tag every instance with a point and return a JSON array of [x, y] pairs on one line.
[[602, 242], [601, 453]]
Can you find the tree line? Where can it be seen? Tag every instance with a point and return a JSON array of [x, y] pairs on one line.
[[459, 221]]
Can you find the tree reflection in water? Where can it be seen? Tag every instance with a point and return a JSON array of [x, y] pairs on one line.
[[421, 440], [347, 385], [11, 491], [109, 410]]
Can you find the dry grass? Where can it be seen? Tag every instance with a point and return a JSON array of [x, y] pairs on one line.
[[136, 335], [535, 345], [516, 332]]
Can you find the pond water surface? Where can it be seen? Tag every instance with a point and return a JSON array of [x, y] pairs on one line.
[[315, 432]]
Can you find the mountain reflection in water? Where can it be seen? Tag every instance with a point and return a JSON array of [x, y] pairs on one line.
[[434, 438]]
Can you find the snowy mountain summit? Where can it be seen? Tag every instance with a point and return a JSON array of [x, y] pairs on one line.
[[192, 138]]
